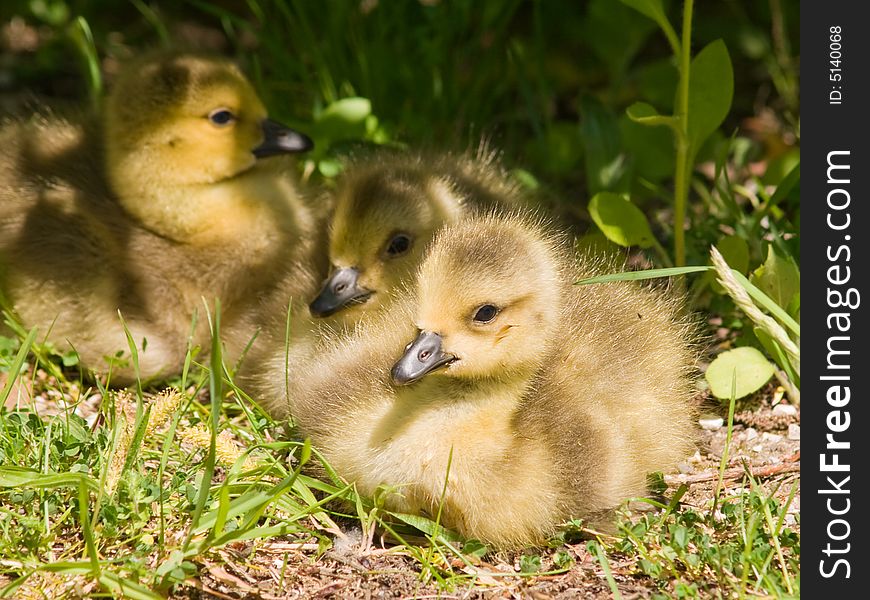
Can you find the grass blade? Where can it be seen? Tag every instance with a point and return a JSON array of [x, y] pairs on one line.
[[17, 365]]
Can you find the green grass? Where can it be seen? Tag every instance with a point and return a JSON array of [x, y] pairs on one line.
[[139, 501]]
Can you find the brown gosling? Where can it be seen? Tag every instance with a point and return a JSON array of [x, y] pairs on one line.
[[534, 399], [162, 201]]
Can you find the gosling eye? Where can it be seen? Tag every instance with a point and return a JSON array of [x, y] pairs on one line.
[[399, 245], [221, 117], [485, 313]]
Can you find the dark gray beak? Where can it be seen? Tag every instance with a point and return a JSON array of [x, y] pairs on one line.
[[280, 139], [422, 356], [340, 290]]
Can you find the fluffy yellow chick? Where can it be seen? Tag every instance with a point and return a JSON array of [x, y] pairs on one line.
[[534, 399], [162, 201], [386, 211]]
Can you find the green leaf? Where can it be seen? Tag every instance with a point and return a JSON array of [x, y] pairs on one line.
[[646, 114], [344, 119], [530, 563], [766, 302], [657, 81], [779, 277], [651, 8], [711, 89], [735, 251], [329, 167], [655, 10], [680, 536], [620, 220], [751, 368], [474, 547], [650, 148]]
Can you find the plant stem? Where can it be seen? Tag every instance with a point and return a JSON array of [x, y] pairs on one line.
[[681, 179]]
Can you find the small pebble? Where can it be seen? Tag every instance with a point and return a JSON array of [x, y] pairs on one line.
[[770, 437], [711, 422], [751, 434], [790, 519], [685, 468], [757, 448], [794, 431], [696, 457], [785, 409]]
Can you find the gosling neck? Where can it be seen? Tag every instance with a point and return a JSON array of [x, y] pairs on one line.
[[238, 210]]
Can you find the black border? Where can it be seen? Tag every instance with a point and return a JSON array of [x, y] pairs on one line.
[[827, 127]]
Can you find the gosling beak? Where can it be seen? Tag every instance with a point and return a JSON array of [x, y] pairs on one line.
[[280, 139], [339, 291], [422, 356]]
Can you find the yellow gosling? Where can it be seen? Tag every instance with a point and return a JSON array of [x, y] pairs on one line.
[[536, 400], [166, 199]]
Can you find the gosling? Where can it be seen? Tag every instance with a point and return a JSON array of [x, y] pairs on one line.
[[523, 401], [387, 209], [160, 202]]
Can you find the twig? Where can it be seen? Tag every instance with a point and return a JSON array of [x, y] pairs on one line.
[[733, 473]]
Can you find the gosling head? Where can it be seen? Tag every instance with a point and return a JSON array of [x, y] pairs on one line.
[[385, 216], [489, 302], [185, 119]]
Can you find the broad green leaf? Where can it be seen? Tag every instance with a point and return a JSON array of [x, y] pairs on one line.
[[349, 110], [794, 307], [655, 10], [530, 563], [329, 167], [779, 278], [344, 119], [711, 88], [650, 148], [751, 368], [767, 303], [620, 220], [646, 114], [651, 8], [657, 80], [735, 251]]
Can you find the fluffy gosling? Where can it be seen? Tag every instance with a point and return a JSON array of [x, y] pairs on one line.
[[160, 202], [534, 399], [386, 211]]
